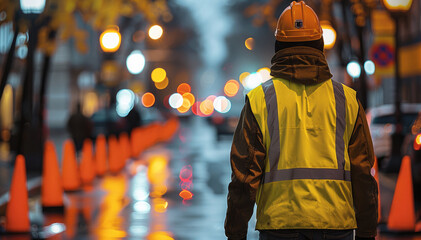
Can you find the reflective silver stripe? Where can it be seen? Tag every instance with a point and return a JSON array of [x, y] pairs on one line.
[[273, 123], [307, 173], [304, 173], [338, 90]]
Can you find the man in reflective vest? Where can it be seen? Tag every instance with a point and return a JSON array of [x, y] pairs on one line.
[[302, 150]]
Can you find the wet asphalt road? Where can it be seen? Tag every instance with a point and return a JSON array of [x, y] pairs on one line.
[[172, 191]]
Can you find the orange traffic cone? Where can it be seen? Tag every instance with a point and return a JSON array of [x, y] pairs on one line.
[[87, 170], [70, 173], [17, 212], [101, 155], [375, 174], [402, 212], [51, 188], [114, 155]]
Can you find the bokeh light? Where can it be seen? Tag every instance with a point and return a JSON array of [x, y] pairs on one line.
[[148, 99], [135, 62], [110, 40], [22, 52], [125, 102], [183, 88], [190, 97], [369, 67], [231, 88], [265, 74], [196, 109], [163, 84], [158, 75], [354, 69], [159, 205], [176, 100], [206, 107], [249, 43], [186, 194], [155, 32], [252, 81], [243, 76], [329, 34], [222, 104]]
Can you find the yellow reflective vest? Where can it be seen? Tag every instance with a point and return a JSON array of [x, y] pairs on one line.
[[306, 131]]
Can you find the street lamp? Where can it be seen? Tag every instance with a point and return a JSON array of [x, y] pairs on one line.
[[397, 9], [110, 40]]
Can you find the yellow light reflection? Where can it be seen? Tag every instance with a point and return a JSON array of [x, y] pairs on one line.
[[243, 76], [159, 236], [158, 75], [249, 43], [163, 84], [110, 222], [158, 174], [231, 88], [159, 205]]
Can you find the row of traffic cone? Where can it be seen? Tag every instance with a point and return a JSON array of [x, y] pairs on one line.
[[73, 176], [402, 212]]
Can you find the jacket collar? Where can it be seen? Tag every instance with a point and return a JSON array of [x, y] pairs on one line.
[[302, 64]]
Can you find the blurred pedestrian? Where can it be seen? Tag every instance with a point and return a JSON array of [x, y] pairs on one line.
[[79, 126], [133, 119], [302, 150]]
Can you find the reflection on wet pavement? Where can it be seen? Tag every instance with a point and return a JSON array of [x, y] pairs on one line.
[[174, 191]]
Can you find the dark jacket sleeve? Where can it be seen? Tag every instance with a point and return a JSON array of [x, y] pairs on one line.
[[364, 186], [247, 161]]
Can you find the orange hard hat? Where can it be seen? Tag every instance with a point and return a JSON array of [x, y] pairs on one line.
[[298, 23]]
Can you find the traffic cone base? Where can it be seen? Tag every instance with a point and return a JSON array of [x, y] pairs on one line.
[[402, 211]]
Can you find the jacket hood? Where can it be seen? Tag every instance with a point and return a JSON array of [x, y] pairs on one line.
[[305, 65]]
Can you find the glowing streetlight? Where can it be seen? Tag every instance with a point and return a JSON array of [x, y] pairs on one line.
[[32, 6], [155, 32], [110, 40], [397, 5], [329, 34]]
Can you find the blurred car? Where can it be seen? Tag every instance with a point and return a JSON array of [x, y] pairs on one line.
[[382, 122]]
